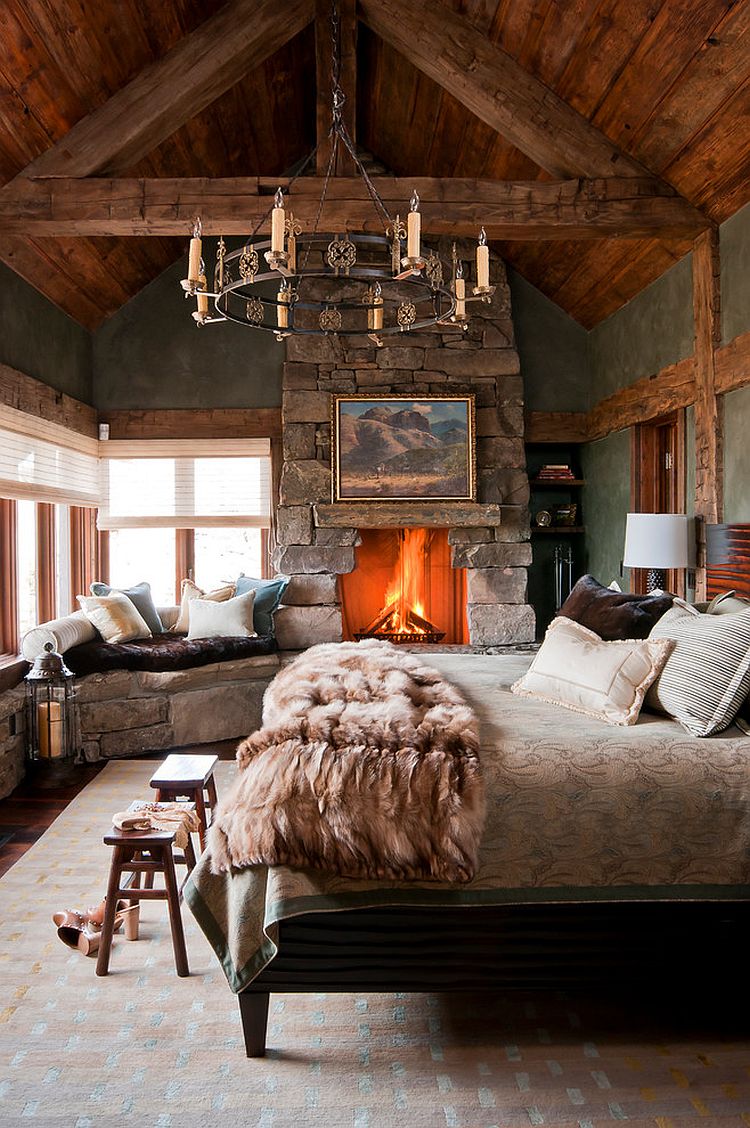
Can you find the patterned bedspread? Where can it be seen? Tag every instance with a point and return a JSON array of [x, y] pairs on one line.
[[577, 811]]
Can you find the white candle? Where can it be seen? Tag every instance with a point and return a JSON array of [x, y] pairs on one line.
[[49, 721], [483, 262], [194, 260], [413, 228], [202, 295], [460, 297], [282, 309], [277, 224]]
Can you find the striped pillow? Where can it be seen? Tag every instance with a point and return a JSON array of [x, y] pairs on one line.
[[707, 675]]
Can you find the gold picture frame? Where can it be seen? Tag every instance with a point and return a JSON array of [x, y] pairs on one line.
[[403, 448]]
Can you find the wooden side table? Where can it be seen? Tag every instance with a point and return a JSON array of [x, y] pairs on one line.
[[145, 852], [183, 776]]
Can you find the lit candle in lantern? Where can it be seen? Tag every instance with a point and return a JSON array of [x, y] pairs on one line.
[[282, 309], [194, 258], [50, 724], [460, 289], [278, 218], [413, 228], [375, 312], [483, 262]]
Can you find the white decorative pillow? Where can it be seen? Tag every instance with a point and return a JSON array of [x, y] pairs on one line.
[[70, 630], [190, 591], [707, 676], [576, 669], [115, 617], [230, 618]]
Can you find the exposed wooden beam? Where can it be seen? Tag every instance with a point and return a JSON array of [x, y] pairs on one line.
[[210, 423], [197, 71], [25, 393], [572, 209], [347, 38], [445, 46], [671, 388], [733, 364], [709, 407], [556, 427]]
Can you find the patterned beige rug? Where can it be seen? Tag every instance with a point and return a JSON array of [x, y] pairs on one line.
[[147, 1048]]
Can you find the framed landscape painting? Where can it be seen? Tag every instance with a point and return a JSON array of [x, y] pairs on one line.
[[403, 448]]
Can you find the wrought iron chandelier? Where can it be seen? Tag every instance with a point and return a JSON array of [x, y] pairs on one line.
[[352, 282]]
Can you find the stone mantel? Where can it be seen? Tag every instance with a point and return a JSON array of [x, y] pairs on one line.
[[410, 514]]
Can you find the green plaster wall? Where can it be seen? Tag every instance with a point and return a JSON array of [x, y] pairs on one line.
[[151, 354], [654, 329], [605, 501], [737, 455], [552, 350], [39, 339], [734, 243]]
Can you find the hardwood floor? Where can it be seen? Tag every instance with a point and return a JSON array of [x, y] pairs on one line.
[[36, 803]]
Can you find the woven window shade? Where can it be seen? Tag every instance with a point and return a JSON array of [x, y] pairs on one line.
[[43, 461], [185, 484]]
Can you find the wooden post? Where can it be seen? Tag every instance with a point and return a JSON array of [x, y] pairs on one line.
[[347, 79], [709, 421]]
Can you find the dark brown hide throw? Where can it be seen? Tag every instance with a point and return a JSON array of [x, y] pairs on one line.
[[366, 766]]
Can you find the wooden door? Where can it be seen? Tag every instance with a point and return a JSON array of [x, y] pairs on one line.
[[658, 481]]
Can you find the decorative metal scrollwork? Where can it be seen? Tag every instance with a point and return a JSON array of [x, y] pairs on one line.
[[434, 271], [330, 320], [341, 255], [248, 264], [254, 311], [396, 234], [406, 314], [220, 275]]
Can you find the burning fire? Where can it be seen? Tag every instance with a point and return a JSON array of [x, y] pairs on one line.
[[402, 617]]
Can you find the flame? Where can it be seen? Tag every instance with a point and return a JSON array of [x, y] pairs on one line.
[[404, 595]]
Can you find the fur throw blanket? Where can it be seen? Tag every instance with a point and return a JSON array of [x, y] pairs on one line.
[[366, 766]]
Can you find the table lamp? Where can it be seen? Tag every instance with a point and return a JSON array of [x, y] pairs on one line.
[[656, 541]]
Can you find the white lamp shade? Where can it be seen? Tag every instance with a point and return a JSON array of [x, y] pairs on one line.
[[657, 540]]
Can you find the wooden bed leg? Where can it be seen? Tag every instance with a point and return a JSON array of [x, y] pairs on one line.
[[254, 1015]]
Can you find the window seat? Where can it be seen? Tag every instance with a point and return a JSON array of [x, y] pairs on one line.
[[163, 653]]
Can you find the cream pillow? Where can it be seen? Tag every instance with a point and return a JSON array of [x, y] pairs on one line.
[[115, 617], [576, 669], [230, 618], [191, 591]]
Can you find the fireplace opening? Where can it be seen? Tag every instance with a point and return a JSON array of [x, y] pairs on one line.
[[404, 589]]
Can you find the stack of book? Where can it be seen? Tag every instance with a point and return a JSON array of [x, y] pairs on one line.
[[555, 472]]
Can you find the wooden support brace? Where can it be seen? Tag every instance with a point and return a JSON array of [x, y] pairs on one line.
[[709, 423]]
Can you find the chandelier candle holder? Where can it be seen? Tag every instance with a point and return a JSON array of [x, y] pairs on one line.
[[350, 282]]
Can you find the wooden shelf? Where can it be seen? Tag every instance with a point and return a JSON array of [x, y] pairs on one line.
[[559, 530], [543, 483]]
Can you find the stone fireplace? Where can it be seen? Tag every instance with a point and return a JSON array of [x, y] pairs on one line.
[[317, 540]]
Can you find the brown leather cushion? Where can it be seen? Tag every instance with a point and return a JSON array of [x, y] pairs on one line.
[[163, 653], [613, 615]]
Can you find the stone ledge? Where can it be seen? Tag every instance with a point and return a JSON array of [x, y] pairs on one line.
[[408, 514]]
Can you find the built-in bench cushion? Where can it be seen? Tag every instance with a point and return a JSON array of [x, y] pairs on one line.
[[163, 653]]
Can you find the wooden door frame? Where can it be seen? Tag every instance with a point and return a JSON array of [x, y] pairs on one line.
[[643, 493]]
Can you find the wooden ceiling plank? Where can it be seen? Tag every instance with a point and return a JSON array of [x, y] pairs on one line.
[[581, 209], [494, 87], [663, 52], [713, 75], [199, 69], [33, 263]]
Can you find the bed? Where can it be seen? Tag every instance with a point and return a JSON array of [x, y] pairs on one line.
[[584, 820]]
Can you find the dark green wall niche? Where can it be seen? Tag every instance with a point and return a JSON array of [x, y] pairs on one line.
[[39, 339], [552, 350], [606, 501], [654, 329], [734, 244], [151, 354]]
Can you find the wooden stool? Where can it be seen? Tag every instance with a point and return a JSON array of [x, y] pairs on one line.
[[188, 777], [144, 852]]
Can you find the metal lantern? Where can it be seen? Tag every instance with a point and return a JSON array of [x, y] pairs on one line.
[[50, 715]]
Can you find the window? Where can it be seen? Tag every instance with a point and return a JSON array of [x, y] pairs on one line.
[[221, 554], [26, 565], [144, 554]]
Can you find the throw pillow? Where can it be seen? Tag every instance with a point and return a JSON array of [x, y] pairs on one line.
[[140, 595], [190, 591], [116, 617], [70, 630], [578, 670], [231, 618], [728, 603], [707, 675], [268, 596], [614, 615]]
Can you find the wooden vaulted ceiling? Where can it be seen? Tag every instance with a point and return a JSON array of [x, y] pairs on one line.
[[666, 81]]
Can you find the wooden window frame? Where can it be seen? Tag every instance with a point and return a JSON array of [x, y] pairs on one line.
[[9, 640], [46, 562]]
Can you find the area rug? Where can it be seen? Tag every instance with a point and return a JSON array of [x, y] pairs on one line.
[[144, 1047]]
